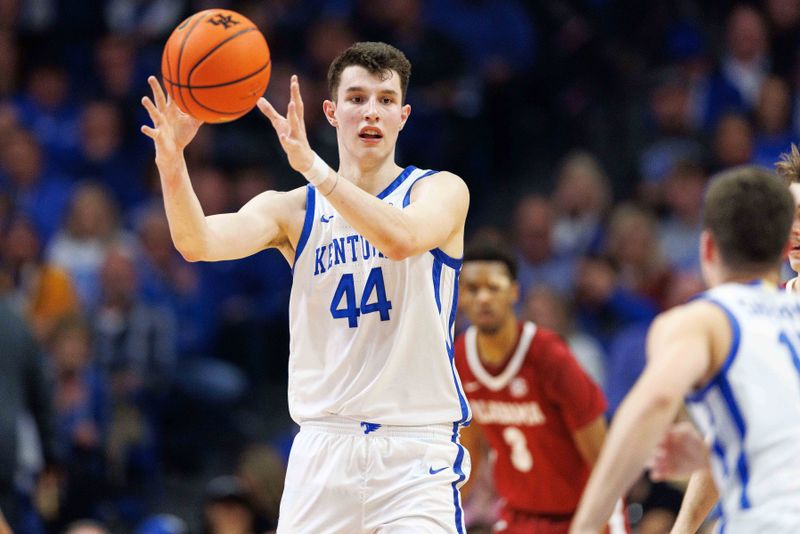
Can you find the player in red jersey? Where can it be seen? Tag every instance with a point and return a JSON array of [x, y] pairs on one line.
[[532, 404]]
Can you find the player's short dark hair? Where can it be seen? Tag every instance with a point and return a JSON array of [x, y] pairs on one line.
[[788, 167], [490, 250], [378, 58], [749, 212]]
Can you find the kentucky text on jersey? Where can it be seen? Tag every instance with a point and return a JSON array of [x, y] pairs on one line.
[[488, 412], [343, 250]]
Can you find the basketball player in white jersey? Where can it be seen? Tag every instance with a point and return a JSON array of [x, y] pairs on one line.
[[683, 452], [734, 354], [375, 251]]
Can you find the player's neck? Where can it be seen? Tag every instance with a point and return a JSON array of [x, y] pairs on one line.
[[373, 176], [494, 348], [771, 276]]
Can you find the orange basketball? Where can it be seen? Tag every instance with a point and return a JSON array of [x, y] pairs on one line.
[[216, 65]]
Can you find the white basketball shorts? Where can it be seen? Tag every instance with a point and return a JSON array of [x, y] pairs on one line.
[[347, 477]]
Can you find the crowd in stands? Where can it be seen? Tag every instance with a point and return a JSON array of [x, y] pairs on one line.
[[586, 132]]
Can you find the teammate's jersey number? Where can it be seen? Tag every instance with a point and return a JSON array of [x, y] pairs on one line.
[[343, 304], [521, 457]]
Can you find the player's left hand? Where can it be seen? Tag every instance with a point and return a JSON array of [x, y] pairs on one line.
[[680, 453], [291, 129]]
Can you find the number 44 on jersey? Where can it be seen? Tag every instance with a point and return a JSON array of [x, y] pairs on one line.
[[343, 304]]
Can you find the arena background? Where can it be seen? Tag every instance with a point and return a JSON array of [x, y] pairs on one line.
[[585, 129]]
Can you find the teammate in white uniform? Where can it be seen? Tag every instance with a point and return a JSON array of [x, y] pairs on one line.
[[735, 354], [374, 250]]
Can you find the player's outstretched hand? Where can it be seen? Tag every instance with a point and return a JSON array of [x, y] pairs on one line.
[[291, 129], [680, 453], [172, 128]]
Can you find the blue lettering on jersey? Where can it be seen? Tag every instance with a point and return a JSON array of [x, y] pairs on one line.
[[343, 250]]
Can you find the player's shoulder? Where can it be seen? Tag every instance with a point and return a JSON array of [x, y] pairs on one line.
[[547, 347], [699, 316], [460, 346], [442, 184]]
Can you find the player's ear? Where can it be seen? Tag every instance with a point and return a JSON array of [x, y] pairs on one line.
[[405, 112], [329, 108], [514, 292]]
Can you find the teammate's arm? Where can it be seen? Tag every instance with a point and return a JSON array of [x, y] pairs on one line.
[[589, 439], [700, 497], [261, 223], [679, 349], [436, 213]]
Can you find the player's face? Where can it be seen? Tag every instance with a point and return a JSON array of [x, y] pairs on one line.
[[487, 294], [794, 251], [368, 113]]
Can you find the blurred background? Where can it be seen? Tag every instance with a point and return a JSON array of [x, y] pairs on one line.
[[141, 393]]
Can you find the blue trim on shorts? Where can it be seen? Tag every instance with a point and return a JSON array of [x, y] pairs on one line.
[[459, 514]]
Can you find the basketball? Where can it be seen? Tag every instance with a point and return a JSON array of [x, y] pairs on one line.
[[216, 65]]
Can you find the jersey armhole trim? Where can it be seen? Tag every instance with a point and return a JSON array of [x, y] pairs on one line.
[[397, 181], [308, 223], [698, 395], [407, 196], [453, 263]]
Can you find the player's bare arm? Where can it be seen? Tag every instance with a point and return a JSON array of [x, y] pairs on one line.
[[685, 348], [700, 497], [434, 218], [271, 219], [473, 439], [589, 439]]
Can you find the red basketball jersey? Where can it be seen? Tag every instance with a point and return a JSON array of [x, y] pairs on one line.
[[528, 412]]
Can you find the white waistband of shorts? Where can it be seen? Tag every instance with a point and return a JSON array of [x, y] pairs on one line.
[[343, 425]]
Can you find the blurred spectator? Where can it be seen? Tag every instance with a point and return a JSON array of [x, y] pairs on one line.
[[135, 349], [679, 231], [534, 222], [162, 524], [745, 64], [547, 309], [625, 362], [581, 199], [604, 305], [732, 142], [82, 415], [773, 120], [104, 156], [26, 388], [148, 20], [262, 472], [167, 280], [674, 140], [9, 64], [228, 508], [710, 94], [784, 21], [47, 110], [86, 526], [36, 192], [632, 246], [92, 226], [43, 292]]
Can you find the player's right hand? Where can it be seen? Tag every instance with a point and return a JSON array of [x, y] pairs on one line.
[[681, 452], [172, 128]]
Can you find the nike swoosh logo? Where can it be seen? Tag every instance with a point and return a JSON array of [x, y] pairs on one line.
[[324, 219], [434, 471]]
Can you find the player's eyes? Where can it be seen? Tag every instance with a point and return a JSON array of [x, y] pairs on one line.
[[387, 101], [356, 99]]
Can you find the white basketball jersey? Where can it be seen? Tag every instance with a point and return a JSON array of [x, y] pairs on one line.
[[751, 411], [371, 338]]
